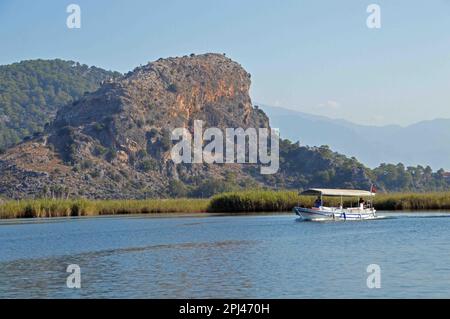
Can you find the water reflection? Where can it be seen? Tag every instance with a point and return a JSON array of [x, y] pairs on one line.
[[168, 270]]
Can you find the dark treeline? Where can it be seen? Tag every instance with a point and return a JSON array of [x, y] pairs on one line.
[[398, 178]]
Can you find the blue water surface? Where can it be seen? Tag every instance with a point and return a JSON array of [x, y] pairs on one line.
[[268, 256]]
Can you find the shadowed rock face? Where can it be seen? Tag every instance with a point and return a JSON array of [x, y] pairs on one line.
[[115, 142]]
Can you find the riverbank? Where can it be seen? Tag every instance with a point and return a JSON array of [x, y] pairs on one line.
[[239, 202]]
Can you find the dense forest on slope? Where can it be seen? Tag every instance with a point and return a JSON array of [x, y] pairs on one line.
[[320, 166], [398, 178], [307, 167], [32, 91]]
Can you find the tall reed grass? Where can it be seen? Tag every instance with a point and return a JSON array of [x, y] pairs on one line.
[[43, 208], [278, 201], [254, 201], [413, 201], [247, 201]]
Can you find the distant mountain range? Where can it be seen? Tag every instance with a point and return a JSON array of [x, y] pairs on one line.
[[424, 143]]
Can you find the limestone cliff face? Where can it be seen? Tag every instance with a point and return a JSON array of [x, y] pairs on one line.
[[114, 143], [129, 115]]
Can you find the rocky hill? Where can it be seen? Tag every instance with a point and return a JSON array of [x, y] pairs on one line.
[[115, 142], [32, 91]]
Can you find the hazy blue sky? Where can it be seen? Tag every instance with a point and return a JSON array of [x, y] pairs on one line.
[[312, 56]]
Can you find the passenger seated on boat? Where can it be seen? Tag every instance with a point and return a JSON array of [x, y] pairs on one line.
[[318, 203], [361, 203]]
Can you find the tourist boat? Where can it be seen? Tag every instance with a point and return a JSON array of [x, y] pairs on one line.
[[362, 210]]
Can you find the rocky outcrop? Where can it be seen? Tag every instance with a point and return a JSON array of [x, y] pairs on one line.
[[127, 115], [115, 142]]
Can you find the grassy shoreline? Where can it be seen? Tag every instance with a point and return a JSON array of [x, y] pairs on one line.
[[239, 202], [47, 208]]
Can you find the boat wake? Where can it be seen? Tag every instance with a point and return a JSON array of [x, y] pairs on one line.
[[416, 215]]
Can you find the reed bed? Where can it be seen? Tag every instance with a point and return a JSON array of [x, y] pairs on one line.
[[413, 201], [254, 201], [45, 208], [237, 202], [278, 201]]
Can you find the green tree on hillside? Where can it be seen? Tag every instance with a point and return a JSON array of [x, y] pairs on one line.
[[31, 92]]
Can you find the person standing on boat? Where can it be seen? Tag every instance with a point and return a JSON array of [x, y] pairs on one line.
[[362, 202], [318, 203]]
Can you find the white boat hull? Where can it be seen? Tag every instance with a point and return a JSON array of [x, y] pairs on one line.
[[330, 214]]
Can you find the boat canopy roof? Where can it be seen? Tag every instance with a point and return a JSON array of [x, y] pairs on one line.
[[337, 192]]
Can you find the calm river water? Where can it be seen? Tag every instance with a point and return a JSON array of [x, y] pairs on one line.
[[265, 256]]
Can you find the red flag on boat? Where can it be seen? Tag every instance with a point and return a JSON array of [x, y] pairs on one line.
[[373, 189]]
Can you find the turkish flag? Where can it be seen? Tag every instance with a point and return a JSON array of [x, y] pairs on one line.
[[373, 189]]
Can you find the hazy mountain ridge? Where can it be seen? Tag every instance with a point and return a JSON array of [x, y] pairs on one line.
[[424, 143]]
